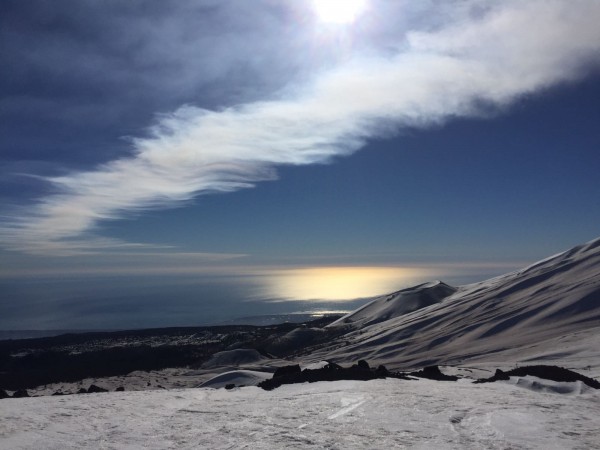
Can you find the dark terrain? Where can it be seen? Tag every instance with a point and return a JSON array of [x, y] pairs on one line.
[[28, 363]]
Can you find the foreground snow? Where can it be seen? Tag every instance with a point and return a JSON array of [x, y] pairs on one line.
[[344, 414]]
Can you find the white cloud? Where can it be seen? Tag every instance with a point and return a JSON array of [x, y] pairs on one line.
[[492, 58]]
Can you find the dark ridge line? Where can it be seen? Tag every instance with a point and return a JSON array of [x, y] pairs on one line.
[[553, 373]]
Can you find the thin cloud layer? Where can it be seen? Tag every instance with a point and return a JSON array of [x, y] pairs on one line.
[[474, 63]]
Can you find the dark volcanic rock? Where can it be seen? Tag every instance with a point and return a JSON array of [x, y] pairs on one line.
[[363, 364], [433, 373], [21, 393], [120, 389], [501, 375], [331, 372], [287, 370], [382, 370], [333, 366], [58, 393], [95, 389], [553, 373], [229, 386], [71, 358], [82, 391]]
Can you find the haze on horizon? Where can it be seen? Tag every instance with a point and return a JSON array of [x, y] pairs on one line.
[[183, 162]]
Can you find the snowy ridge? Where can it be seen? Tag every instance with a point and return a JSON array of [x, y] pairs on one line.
[[549, 305], [397, 304]]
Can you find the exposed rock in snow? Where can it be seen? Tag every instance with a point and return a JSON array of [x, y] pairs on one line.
[[93, 389], [20, 393], [433, 373], [553, 373]]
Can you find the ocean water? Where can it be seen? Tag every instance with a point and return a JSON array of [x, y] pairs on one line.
[[113, 303], [134, 302]]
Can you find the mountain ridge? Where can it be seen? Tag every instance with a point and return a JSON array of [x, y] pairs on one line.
[[511, 314]]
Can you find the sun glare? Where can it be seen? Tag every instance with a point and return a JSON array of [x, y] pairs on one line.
[[339, 283], [338, 11]]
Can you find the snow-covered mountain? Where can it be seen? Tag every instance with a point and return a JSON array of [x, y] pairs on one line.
[[397, 304], [547, 311]]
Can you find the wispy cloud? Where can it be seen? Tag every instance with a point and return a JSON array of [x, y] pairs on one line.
[[475, 62], [124, 263]]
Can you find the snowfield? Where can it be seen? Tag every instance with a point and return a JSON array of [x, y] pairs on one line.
[[339, 415]]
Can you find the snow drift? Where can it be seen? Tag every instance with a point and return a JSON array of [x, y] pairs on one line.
[[237, 378]]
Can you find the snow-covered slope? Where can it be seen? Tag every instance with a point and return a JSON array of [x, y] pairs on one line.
[[236, 358], [397, 304], [236, 377], [379, 414], [547, 311]]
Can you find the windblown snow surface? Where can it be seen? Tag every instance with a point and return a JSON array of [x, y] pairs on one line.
[[547, 313], [339, 415]]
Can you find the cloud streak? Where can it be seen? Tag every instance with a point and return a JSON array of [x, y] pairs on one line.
[[474, 63]]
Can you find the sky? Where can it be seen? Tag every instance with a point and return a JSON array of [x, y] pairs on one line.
[[185, 162]]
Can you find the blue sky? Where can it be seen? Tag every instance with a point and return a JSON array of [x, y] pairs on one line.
[[167, 156]]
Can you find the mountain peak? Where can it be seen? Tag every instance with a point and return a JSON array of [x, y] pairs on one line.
[[398, 303], [521, 316]]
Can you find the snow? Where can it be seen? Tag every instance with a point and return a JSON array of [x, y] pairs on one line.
[[237, 377], [558, 387], [550, 307], [339, 415], [397, 304]]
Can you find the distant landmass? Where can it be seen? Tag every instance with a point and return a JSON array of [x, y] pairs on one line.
[[33, 334], [275, 319], [264, 320]]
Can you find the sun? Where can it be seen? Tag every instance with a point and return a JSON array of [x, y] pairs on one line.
[[338, 11]]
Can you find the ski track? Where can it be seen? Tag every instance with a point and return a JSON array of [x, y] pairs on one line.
[[335, 415]]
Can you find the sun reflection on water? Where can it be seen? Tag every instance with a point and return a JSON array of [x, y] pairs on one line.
[[339, 283]]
